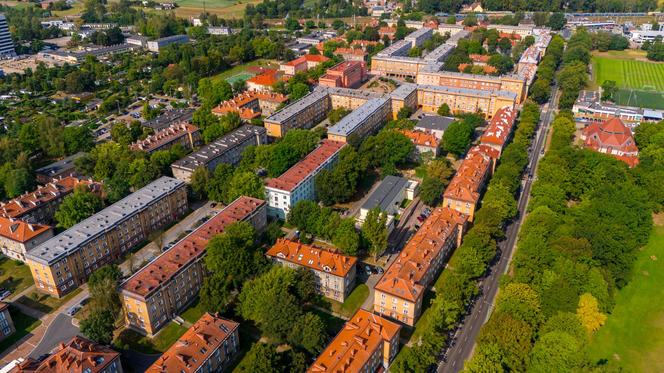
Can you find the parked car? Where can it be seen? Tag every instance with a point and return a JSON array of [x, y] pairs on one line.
[[213, 204], [4, 294], [73, 310], [420, 219], [367, 269]]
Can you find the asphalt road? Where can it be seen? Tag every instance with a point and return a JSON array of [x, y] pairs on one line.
[[60, 330], [463, 341]]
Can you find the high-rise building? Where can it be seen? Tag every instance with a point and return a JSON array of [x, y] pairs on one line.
[[6, 43]]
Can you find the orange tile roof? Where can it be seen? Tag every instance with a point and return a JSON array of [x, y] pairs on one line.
[[168, 134], [189, 249], [312, 257], [267, 78], [294, 176], [511, 36], [364, 43], [357, 52], [307, 58], [421, 138], [403, 278], [191, 351], [58, 188], [479, 58], [500, 127], [493, 153], [352, 348], [238, 103], [79, 355], [20, 231], [609, 136], [467, 182]]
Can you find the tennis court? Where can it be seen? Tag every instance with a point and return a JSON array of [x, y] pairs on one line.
[[238, 77]]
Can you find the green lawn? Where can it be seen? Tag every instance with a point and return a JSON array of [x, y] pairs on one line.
[[633, 335], [629, 73], [647, 99], [352, 303], [193, 312], [159, 344], [241, 69], [23, 323], [14, 275], [45, 303]]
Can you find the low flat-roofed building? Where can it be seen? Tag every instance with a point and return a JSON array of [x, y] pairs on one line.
[[159, 291], [227, 149], [184, 134], [64, 262], [346, 74], [499, 130], [521, 30], [78, 355], [399, 293], [62, 168], [367, 343], [251, 104], [157, 45], [210, 345], [387, 197], [363, 121], [39, 206], [297, 183], [589, 108], [464, 191], [434, 124], [168, 118], [334, 272], [17, 237], [303, 113]]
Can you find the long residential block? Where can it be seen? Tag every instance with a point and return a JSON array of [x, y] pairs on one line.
[[499, 130], [184, 134], [227, 149], [509, 83], [464, 191], [363, 121], [153, 296], [399, 293], [64, 262], [297, 183], [303, 113], [335, 273], [464, 100]]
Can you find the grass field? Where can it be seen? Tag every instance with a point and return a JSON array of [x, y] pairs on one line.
[[648, 99], [160, 343], [633, 336], [23, 323], [629, 73], [14, 276]]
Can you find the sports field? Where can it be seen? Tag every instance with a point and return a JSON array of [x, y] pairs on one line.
[[633, 336], [629, 73]]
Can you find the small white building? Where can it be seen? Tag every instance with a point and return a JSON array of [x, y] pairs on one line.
[[156, 45]]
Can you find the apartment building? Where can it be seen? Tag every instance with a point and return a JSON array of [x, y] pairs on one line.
[[520, 30], [350, 99], [301, 64], [157, 45], [367, 343], [6, 43], [251, 104], [157, 293], [297, 183], [425, 143], [6, 323], [463, 100], [499, 130], [39, 206], [303, 113], [346, 74], [184, 134], [17, 237], [227, 149], [363, 121], [509, 83], [78, 355], [434, 124], [404, 95], [64, 262], [397, 66], [398, 294], [464, 191], [334, 273], [56, 170], [210, 345], [351, 54]]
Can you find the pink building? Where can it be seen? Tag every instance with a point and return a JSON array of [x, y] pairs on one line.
[[304, 63], [346, 74]]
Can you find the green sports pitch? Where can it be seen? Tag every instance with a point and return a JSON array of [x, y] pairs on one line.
[[631, 74]]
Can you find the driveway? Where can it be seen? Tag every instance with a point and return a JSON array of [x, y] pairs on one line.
[[61, 330]]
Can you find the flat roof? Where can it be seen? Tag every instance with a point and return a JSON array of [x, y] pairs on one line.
[[355, 119], [57, 167], [73, 238], [468, 91], [169, 117], [218, 147], [318, 94], [434, 122], [383, 195], [403, 91]]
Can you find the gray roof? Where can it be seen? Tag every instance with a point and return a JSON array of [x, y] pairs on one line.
[[434, 123], [218, 147], [73, 238], [356, 118], [289, 111], [57, 167], [170, 117], [349, 92], [385, 193], [403, 91]]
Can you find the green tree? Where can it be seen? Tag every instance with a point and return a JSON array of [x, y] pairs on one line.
[[297, 91], [233, 254], [76, 207], [609, 89], [309, 333], [444, 110], [99, 326], [431, 190], [441, 169], [346, 237], [102, 285], [557, 21], [245, 183], [17, 182], [199, 180], [457, 137], [556, 351], [374, 229]]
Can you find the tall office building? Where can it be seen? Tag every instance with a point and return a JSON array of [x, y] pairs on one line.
[[6, 44]]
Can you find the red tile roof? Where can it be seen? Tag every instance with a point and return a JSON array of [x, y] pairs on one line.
[[352, 348], [174, 131], [197, 344], [500, 127], [403, 279], [614, 138], [267, 78], [186, 251], [312, 257], [296, 174], [421, 138], [79, 355], [467, 182], [56, 189], [307, 58], [353, 51], [483, 58], [238, 103], [20, 231]]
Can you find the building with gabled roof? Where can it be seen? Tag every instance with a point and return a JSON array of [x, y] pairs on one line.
[[352, 54], [399, 293], [304, 63], [464, 191], [297, 183], [159, 291], [210, 345], [346, 74], [62, 168], [185, 134], [424, 142], [78, 355], [251, 104], [17, 237], [614, 138], [264, 81], [367, 343], [335, 273], [500, 128]]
